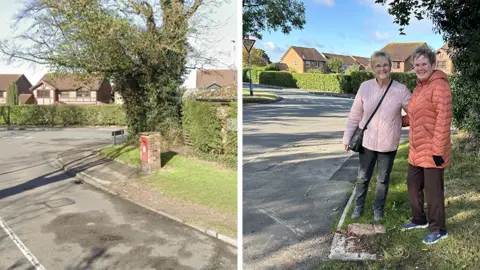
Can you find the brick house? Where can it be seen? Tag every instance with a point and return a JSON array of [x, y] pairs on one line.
[[363, 62], [444, 61], [302, 59], [215, 78], [349, 61], [401, 54], [23, 85], [71, 89]]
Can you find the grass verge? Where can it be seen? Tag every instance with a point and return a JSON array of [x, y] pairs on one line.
[[404, 250], [189, 179], [259, 97]]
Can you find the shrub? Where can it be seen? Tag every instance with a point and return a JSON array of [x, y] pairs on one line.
[[315, 70], [357, 78], [255, 74], [323, 82], [352, 68], [92, 115], [407, 78], [211, 126], [278, 78], [272, 67]]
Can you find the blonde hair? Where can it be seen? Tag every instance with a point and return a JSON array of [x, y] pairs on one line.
[[425, 51], [380, 54]]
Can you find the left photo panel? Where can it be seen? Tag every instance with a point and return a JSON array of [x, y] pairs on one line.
[[118, 134]]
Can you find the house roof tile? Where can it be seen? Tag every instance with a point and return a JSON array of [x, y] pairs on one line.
[[400, 51], [221, 77], [310, 54], [70, 82], [7, 79]]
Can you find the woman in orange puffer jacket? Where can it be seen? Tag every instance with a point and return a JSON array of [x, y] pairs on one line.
[[429, 117]]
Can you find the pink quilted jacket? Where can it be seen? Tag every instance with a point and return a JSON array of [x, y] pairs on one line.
[[383, 131]]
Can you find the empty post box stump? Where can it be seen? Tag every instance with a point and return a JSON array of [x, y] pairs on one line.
[[150, 151]]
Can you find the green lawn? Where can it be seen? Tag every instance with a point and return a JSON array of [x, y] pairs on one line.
[[259, 97], [405, 250], [189, 179]]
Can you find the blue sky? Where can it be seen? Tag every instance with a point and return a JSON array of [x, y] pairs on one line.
[[351, 27], [214, 41]]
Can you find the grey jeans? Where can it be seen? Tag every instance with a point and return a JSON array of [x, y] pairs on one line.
[[367, 160]]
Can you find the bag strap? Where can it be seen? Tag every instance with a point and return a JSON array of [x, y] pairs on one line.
[[384, 94]]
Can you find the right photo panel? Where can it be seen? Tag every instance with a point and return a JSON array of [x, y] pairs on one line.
[[360, 120]]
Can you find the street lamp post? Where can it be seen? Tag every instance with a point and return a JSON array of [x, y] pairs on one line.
[[248, 43]]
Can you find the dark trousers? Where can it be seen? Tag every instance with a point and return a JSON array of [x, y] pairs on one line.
[[429, 180], [367, 160]]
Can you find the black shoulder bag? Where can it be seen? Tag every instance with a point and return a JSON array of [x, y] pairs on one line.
[[357, 138]]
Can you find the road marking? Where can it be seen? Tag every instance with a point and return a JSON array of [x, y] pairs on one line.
[[21, 246], [296, 231]]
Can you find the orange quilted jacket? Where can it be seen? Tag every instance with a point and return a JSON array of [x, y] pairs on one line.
[[430, 117]]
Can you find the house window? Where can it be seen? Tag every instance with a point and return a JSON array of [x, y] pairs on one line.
[[295, 63], [83, 93], [396, 65], [2, 94], [64, 94], [441, 64], [307, 63], [43, 93], [315, 64], [320, 64]]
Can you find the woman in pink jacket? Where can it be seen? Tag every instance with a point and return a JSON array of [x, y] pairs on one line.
[[382, 135]]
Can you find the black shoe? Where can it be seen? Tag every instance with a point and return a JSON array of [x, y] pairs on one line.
[[377, 215], [357, 212]]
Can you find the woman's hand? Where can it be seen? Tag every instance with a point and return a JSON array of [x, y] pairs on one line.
[[346, 147]]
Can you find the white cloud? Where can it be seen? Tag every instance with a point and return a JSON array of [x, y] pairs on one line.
[[269, 46], [381, 36], [329, 3], [272, 48]]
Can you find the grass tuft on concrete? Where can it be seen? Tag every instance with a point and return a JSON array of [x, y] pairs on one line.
[[259, 97]]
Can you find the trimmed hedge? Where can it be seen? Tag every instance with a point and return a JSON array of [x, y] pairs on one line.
[[206, 124], [326, 82], [278, 78], [407, 78], [65, 115]]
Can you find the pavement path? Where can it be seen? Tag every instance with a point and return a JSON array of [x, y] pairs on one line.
[[296, 178], [66, 225]]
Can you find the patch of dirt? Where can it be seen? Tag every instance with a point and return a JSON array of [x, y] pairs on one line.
[[192, 213]]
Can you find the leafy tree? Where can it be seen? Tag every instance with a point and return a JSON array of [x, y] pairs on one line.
[[352, 68], [457, 21], [140, 45], [335, 65], [12, 94], [258, 57], [261, 15]]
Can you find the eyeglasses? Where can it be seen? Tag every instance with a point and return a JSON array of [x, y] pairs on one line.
[[378, 66]]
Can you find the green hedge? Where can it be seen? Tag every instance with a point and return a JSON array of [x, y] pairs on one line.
[[357, 78], [323, 82], [204, 122], [255, 74], [65, 115], [407, 78], [278, 78]]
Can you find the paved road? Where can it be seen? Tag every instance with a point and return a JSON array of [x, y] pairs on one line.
[[292, 151], [296, 178], [97, 231]]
